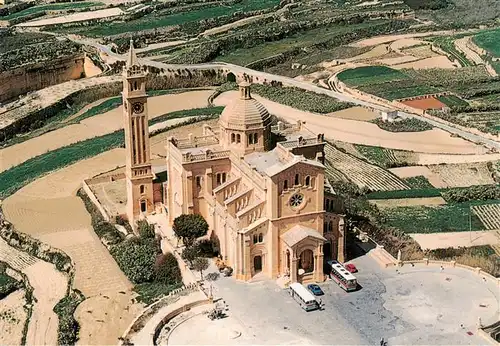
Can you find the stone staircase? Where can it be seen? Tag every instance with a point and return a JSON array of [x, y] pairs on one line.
[[383, 258]]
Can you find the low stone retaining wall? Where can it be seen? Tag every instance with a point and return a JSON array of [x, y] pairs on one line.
[[94, 200]]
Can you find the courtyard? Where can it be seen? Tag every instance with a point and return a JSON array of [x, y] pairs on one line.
[[417, 305]]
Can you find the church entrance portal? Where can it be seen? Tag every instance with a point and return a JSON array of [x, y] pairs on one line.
[[231, 77], [257, 263]]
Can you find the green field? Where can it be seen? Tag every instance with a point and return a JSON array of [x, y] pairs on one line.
[[447, 44], [452, 101], [434, 219], [490, 41], [418, 182], [385, 82], [152, 22], [50, 7], [368, 75]]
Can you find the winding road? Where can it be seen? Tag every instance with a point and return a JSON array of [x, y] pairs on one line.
[[239, 70]]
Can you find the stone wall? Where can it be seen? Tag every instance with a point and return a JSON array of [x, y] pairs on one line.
[[33, 77]]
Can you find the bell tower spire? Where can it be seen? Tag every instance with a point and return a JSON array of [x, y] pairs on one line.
[[138, 171]]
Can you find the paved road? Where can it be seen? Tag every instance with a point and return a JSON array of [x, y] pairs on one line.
[[299, 84]]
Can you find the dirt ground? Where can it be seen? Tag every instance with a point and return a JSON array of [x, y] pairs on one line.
[[434, 62], [414, 171], [407, 202], [355, 113], [390, 38], [455, 239], [97, 126], [75, 17], [112, 195], [62, 221], [358, 132], [425, 103], [463, 175], [435, 159], [90, 68], [12, 318]]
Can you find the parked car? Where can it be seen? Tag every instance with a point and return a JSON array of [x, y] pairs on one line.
[[351, 268], [315, 289]]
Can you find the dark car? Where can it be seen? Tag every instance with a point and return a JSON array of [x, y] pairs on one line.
[[315, 289]]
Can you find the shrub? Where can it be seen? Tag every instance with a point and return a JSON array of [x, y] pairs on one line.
[[145, 229], [68, 326], [167, 270], [200, 264], [7, 284], [188, 227], [414, 193], [190, 253], [136, 258]]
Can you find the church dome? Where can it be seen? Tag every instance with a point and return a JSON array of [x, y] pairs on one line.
[[245, 112]]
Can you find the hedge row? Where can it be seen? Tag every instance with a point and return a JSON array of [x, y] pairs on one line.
[[413, 193]]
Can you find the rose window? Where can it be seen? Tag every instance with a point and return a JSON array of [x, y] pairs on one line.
[[296, 200]]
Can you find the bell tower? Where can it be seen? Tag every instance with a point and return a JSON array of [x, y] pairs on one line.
[[139, 175]]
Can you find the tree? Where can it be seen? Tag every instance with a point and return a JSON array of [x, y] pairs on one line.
[[200, 264], [167, 269], [188, 227]]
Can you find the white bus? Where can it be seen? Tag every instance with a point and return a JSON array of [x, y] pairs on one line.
[[342, 276], [303, 297]]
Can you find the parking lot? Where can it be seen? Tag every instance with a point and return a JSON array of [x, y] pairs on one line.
[[414, 305]]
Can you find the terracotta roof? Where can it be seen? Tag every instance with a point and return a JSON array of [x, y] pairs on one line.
[[298, 233]]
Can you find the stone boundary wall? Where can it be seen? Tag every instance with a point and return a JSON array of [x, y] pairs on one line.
[[94, 200], [175, 313], [140, 320]]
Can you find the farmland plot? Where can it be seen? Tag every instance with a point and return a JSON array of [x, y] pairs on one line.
[[362, 173], [387, 158], [489, 214], [463, 175]]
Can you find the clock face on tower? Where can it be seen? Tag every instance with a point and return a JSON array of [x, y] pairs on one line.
[[138, 107]]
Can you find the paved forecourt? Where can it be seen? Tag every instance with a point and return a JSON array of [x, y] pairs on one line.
[[413, 305]]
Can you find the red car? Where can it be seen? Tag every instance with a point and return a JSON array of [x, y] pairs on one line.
[[351, 268]]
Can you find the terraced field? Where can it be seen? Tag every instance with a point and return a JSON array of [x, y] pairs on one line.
[[463, 175], [489, 214], [387, 158], [51, 7], [362, 173]]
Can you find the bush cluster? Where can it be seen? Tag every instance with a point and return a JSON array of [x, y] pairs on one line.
[[300, 99], [403, 125], [472, 193], [412, 193], [139, 257], [68, 325], [7, 283]]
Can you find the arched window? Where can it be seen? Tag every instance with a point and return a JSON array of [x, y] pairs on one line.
[[255, 138], [296, 179], [233, 137], [330, 226], [250, 138], [308, 181], [312, 182], [238, 138], [198, 181], [285, 185], [255, 239], [135, 86], [261, 237], [223, 178], [142, 189]]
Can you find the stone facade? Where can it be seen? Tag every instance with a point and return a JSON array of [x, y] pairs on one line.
[[33, 77], [261, 189], [138, 171]]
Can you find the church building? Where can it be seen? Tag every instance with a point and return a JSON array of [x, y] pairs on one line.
[[260, 185]]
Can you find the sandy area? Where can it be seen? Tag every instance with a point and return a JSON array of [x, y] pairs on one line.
[[75, 17], [355, 113], [62, 221], [49, 287], [97, 126], [462, 46], [414, 171], [376, 52], [358, 132], [12, 318], [112, 195], [407, 202], [434, 62], [454, 239], [398, 60], [435, 159], [90, 68]]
